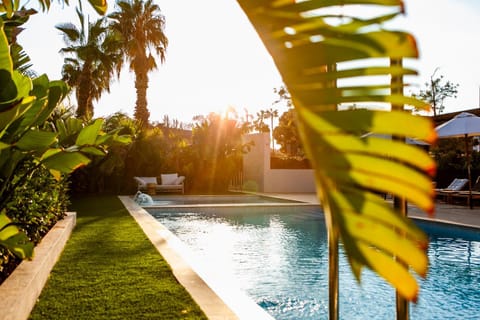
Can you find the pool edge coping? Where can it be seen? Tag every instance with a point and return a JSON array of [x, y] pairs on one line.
[[212, 302], [443, 221]]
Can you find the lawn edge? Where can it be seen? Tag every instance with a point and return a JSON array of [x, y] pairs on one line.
[[19, 292]]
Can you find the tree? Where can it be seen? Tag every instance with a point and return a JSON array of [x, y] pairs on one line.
[[272, 114], [258, 123], [92, 59], [286, 134], [283, 95], [436, 92], [141, 25], [216, 152]]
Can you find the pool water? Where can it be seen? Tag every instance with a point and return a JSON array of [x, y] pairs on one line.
[[278, 256]]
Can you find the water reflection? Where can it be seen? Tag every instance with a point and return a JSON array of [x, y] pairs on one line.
[[279, 257]]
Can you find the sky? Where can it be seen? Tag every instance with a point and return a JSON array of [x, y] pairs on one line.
[[215, 59]]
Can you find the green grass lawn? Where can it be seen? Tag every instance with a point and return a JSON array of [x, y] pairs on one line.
[[110, 270]]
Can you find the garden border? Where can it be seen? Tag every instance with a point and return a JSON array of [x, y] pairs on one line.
[[19, 292]]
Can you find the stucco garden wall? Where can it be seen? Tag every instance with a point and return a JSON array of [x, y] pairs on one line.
[[257, 172]]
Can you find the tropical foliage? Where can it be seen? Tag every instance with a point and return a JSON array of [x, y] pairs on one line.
[[14, 6], [209, 155], [37, 205], [315, 45], [286, 134], [141, 25], [92, 57], [449, 154], [216, 152], [259, 123], [31, 141], [159, 149]]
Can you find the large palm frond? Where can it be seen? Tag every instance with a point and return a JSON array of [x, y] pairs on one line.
[[141, 25], [318, 46]]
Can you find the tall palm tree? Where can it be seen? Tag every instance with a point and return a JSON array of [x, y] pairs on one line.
[[271, 113], [92, 56], [141, 25], [259, 125]]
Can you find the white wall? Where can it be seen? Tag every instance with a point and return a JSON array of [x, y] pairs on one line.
[[289, 181], [256, 169]]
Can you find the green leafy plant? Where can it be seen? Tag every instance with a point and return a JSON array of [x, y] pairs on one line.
[[26, 136], [216, 153], [12, 6], [316, 45]]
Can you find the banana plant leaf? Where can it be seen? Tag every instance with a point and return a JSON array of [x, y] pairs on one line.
[[64, 161], [89, 134], [13, 239], [351, 170]]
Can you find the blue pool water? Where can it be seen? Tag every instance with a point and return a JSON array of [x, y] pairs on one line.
[[278, 256]]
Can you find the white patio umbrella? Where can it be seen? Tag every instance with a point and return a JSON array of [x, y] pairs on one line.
[[463, 125]]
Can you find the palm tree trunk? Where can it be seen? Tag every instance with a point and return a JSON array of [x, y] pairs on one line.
[[399, 203], [84, 98], [141, 84]]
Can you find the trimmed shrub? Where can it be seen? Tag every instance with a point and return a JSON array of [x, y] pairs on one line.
[[37, 204]]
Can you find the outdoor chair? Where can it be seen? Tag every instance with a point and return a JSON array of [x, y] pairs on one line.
[[454, 187], [168, 183], [465, 194]]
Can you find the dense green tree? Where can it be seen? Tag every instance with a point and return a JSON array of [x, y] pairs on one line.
[[92, 58], [259, 124], [286, 134], [436, 91], [216, 152], [141, 25]]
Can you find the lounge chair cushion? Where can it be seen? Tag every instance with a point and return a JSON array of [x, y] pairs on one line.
[[458, 185], [169, 179], [179, 180], [455, 185]]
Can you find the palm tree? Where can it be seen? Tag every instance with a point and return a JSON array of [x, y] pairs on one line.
[[258, 123], [272, 113], [92, 59], [142, 28]]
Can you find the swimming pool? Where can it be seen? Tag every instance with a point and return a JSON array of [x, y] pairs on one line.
[[278, 256]]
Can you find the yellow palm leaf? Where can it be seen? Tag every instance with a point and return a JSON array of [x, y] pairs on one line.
[[354, 162]]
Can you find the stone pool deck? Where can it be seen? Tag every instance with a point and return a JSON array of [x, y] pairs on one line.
[[451, 213]]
